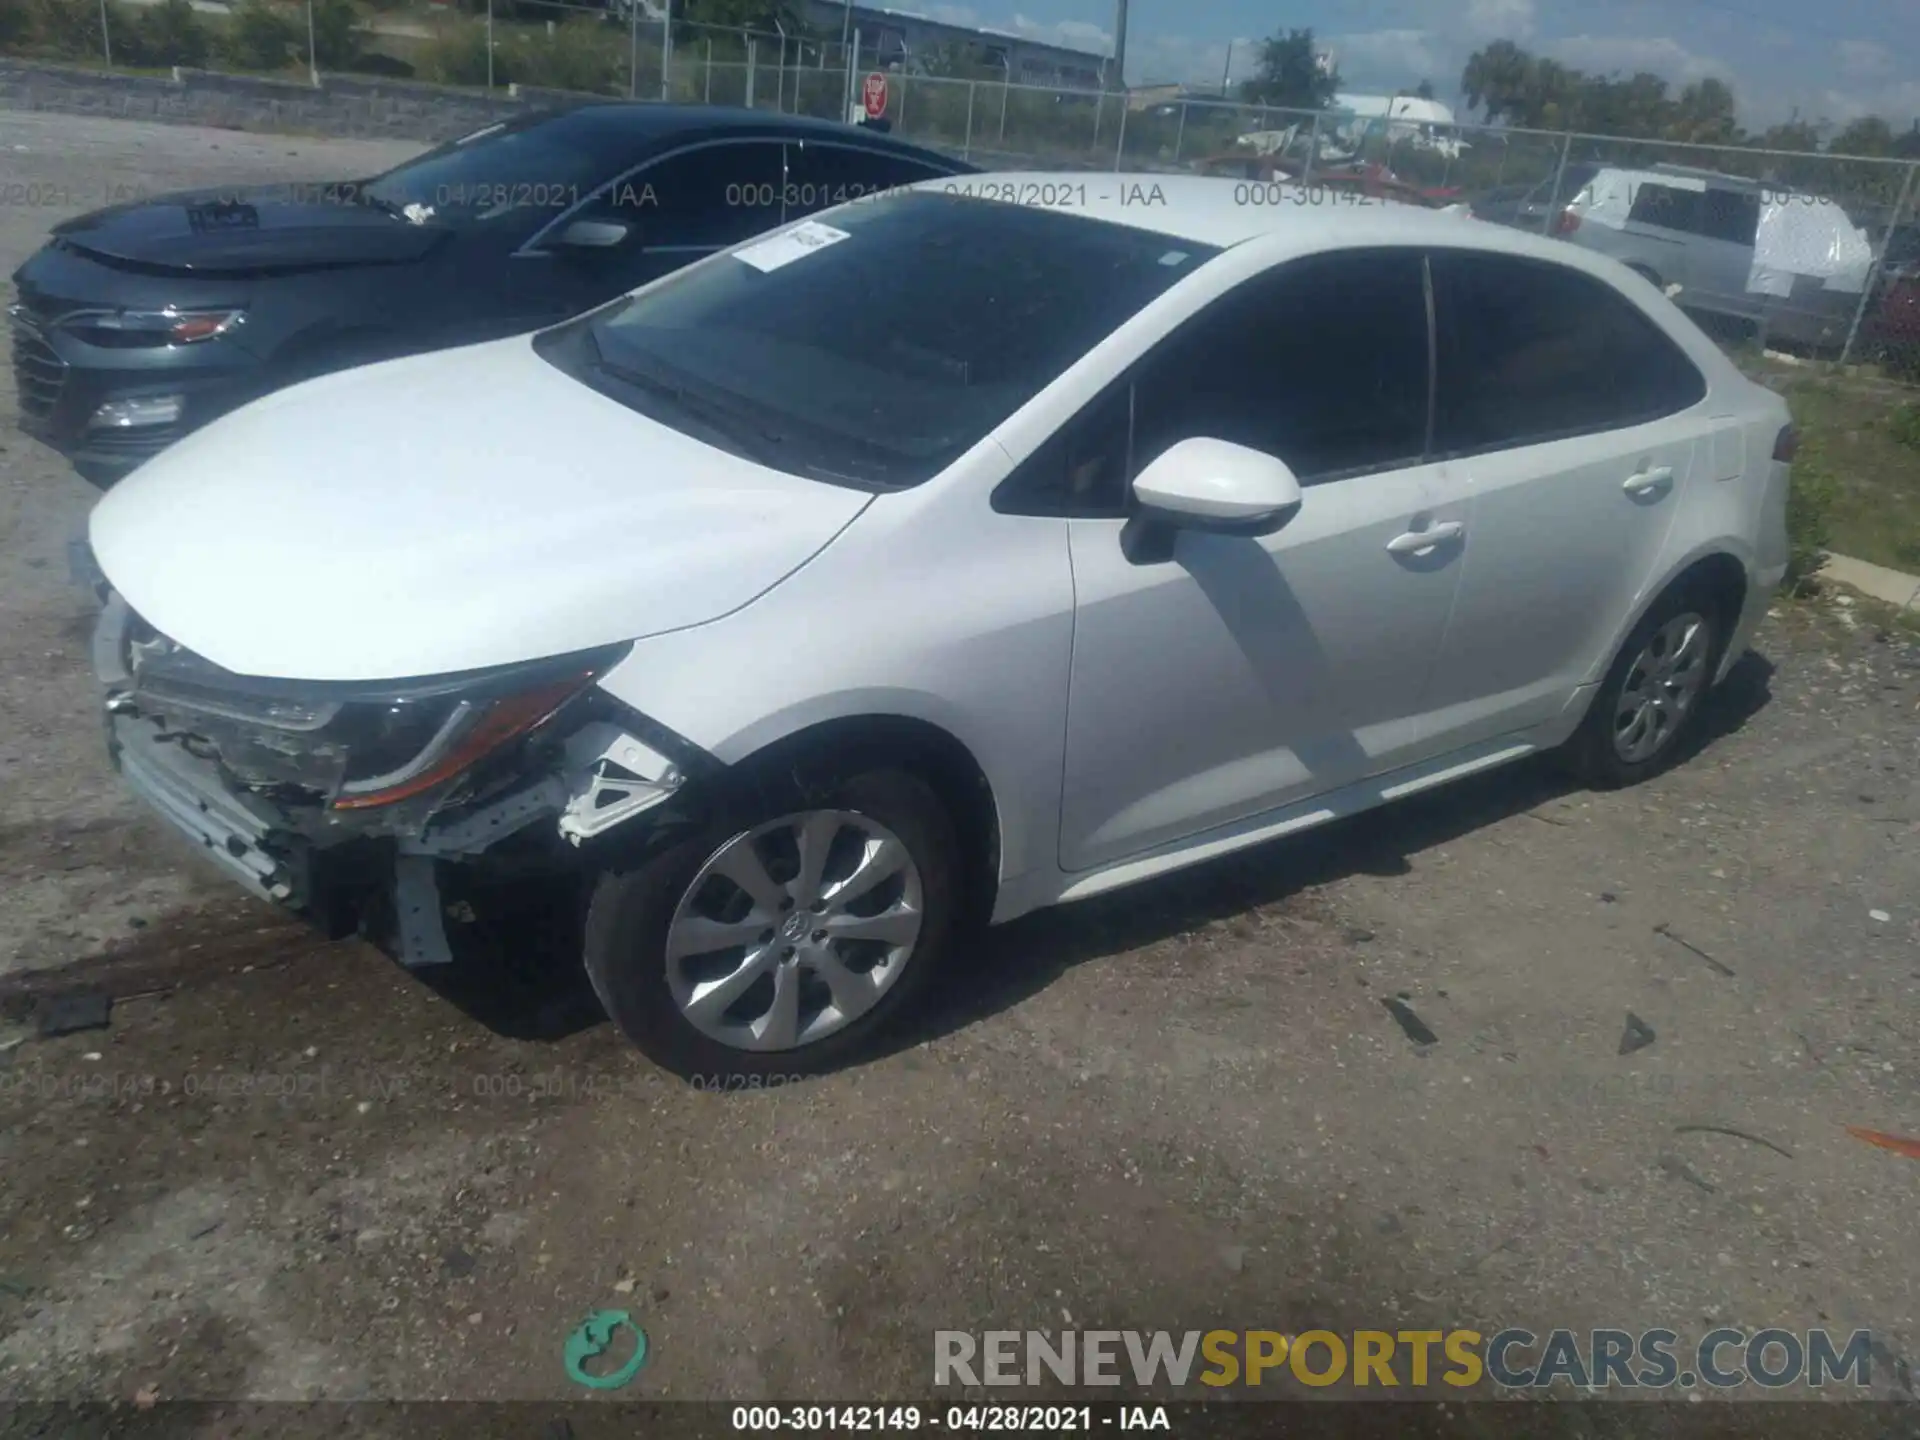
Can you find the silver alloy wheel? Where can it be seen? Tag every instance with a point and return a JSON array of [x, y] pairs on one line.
[[1662, 684], [793, 930]]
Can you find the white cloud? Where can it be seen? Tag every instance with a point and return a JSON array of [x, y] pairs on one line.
[[1078, 34], [1183, 60], [1389, 57], [1898, 103], [1863, 59], [1661, 55], [1500, 19], [951, 14]]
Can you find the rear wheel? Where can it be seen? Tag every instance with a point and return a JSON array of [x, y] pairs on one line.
[[1647, 710], [784, 941]]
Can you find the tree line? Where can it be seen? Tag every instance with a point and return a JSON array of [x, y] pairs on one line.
[[1510, 85]]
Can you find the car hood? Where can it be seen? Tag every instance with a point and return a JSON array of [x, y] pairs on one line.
[[446, 512], [256, 228]]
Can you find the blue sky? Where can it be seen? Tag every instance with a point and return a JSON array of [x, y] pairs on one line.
[[1827, 58]]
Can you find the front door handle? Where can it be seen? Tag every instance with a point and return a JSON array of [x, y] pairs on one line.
[[1650, 482], [1419, 542]]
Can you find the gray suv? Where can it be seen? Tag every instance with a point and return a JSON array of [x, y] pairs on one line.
[[1698, 234]]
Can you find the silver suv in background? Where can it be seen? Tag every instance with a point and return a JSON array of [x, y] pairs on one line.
[[1788, 264]]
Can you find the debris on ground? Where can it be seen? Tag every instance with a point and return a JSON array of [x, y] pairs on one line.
[[1750, 1138], [74, 1011], [1663, 929], [592, 1338], [1899, 1144], [1415, 1027], [1637, 1036], [456, 1263], [1679, 1169]]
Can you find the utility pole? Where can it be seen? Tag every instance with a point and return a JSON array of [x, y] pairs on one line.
[[1120, 44]]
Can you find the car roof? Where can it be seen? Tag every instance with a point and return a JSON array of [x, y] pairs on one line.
[[1209, 210], [644, 121], [1216, 210]]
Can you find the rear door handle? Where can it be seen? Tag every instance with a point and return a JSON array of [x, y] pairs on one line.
[[1649, 482], [1418, 542]]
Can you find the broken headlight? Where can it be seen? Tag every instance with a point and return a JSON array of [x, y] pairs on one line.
[[356, 747]]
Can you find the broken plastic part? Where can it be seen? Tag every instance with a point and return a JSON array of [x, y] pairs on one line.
[[612, 777]]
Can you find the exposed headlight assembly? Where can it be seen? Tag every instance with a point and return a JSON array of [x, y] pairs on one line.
[[358, 747]]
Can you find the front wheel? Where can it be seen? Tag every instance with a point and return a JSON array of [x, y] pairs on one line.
[[1648, 707], [783, 941]]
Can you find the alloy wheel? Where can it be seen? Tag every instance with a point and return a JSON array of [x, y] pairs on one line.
[[793, 930], [1662, 686]]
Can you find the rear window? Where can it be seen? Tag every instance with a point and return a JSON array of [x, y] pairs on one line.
[[1668, 206], [1577, 178], [1732, 215], [878, 353]]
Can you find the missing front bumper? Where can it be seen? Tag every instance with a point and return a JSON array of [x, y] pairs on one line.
[[239, 838]]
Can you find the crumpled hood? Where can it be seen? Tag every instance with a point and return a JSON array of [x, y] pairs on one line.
[[255, 228], [446, 512]]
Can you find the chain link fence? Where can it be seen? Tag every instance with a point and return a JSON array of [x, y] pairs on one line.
[[1738, 241]]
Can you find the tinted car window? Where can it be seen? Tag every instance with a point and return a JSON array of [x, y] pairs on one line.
[[511, 175], [706, 198], [1667, 206], [820, 176], [1082, 471], [1322, 363], [877, 357], [1530, 351], [1732, 215]]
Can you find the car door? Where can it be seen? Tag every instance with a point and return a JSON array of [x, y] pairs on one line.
[[1721, 262], [824, 173], [1577, 419], [1662, 233], [1244, 673], [676, 209]]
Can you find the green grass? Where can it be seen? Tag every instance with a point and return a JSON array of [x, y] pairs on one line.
[[1867, 443]]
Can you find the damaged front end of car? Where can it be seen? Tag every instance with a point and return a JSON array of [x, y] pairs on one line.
[[344, 802]]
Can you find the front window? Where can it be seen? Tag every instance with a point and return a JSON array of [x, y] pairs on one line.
[[515, 175], [880, 353]]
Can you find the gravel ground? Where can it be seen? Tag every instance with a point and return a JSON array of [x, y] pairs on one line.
[[290, 1170]]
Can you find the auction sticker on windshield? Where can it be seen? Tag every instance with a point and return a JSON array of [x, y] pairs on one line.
[[777, 250]]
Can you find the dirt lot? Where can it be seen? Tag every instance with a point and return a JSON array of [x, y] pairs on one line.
[[291, 1170]]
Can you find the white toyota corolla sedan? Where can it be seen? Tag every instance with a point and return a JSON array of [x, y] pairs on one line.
[[947, 555]]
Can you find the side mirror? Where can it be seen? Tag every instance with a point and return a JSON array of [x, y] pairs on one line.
[[1211, 485], [593, 235]]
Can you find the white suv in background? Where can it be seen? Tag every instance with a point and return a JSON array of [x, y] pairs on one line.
[[948, 555]]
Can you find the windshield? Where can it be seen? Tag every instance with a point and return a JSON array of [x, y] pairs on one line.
[[517, 173], [877, 343]]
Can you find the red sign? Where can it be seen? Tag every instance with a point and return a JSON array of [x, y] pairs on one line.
[[874, 94]]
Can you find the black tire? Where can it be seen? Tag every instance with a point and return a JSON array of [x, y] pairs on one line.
[[633, 905], [1592, 753]]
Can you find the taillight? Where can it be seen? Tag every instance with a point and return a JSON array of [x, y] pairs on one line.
[[1786, 444], [1567, 223]]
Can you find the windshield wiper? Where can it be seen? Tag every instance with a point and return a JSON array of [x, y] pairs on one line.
[[759, 444]]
